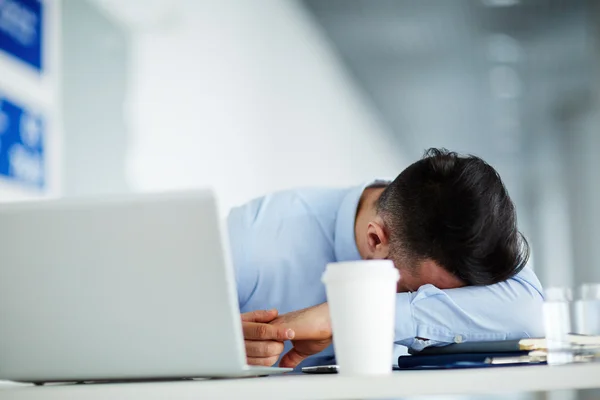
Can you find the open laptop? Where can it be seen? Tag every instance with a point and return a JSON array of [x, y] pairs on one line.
[[136, 287]]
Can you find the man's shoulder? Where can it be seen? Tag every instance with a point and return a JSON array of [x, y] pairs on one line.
[[285, 225], [301, 201]]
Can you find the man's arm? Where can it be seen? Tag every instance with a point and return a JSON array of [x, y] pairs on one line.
[[434, 317], [506, 310], [312, 328]]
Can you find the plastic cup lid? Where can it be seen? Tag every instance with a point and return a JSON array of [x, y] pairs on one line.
[[360, 270]]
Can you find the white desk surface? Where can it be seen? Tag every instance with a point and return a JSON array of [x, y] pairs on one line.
[[399, 384]]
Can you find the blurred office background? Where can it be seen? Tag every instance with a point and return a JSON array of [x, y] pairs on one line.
[[251, 97]]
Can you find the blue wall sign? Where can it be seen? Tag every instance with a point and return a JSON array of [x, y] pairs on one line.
[[21, 23], [21, 144]]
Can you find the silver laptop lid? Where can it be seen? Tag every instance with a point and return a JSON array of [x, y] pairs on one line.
[[130, 287]]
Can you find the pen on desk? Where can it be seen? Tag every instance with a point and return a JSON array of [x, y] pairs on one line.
[[515, 360]]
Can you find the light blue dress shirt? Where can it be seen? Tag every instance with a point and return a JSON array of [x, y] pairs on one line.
[[282, 242]]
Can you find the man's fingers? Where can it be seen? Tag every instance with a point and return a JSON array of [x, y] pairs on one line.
[[260, 316], [259, 331], [265, 361], [291, 359], [270, 348]]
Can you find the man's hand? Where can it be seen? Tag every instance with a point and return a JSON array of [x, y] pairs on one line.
[[313, 333], [264, 342]]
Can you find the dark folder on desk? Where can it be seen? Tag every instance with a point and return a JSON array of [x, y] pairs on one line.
[[472, 354], [452, 361], [489, 354]]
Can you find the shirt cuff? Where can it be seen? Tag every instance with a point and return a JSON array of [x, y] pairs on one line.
[[406, 329]]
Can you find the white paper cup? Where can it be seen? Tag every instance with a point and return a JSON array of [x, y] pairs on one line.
[[362, 302]]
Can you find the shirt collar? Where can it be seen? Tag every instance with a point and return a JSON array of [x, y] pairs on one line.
[[345, 240]]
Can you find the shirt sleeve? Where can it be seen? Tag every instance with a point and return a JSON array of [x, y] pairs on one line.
[[246, 277], [506, 310]]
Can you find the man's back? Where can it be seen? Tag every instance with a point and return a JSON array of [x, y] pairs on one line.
[[282, 242]]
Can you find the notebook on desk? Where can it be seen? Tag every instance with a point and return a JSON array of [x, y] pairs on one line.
[[499, 346], [503, 346]]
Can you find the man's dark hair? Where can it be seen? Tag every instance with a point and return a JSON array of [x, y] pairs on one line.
[[456, 211]]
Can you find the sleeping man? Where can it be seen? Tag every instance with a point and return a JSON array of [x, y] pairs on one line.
[[447, 223]]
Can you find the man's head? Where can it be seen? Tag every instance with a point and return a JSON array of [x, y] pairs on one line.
[[449, 221]]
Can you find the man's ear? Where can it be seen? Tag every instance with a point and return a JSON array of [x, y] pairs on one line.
[[377, 240]]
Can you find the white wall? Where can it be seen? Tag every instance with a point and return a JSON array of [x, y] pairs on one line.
[[39, 94], [247, 97], [95, 64], [580, 146], [585, 197], [549, 214]]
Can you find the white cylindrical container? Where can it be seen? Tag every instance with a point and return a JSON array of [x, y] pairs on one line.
[[362, 301], [557, 324], [587, 310]]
